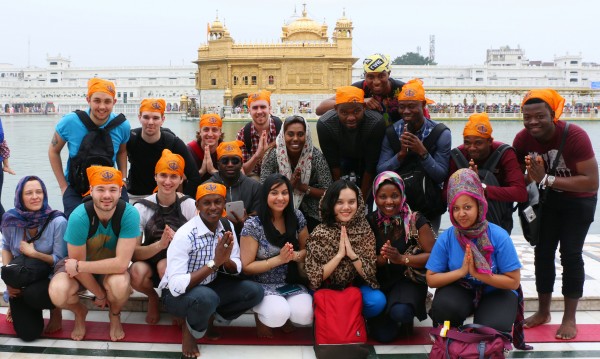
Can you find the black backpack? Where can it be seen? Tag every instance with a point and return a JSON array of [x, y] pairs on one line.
[[162, 216], [96, 148], [247, 127], [95, 221], [422, 194], [499, 212]]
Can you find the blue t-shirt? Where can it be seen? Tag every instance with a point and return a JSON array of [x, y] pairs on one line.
[[72, 130], [447, 254], [103, 243]]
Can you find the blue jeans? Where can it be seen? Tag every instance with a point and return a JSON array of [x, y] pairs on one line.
[[226, 296], [373, 301], [72, 199]]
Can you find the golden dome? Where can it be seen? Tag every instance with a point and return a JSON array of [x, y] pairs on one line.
[[184, 97], [216, 25], [305, 24]]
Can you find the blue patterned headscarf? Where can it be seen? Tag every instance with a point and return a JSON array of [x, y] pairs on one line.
[[20, 217]]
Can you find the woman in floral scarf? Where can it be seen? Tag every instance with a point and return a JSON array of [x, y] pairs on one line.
[[303, 164], [393, 224], [473, 264], [341, 250]]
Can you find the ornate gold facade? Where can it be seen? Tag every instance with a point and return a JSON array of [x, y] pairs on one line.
[[303, 62]]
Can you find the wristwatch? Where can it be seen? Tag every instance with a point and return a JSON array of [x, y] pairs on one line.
[[406, 260], [211, 264], [425, 156], [550, 181]]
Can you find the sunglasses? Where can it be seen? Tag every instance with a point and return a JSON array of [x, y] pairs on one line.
[[234, 160]]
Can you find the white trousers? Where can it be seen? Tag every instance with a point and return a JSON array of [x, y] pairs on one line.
[[275, 310]]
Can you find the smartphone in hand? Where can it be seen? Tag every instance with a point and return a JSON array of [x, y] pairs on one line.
[[236, 207]]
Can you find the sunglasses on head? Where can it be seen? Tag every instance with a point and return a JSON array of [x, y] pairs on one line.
[[234, 160]]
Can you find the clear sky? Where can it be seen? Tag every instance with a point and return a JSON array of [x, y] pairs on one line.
[[152, 32]]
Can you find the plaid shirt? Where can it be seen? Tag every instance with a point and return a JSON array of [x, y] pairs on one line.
[[255, 137], [192, 247]]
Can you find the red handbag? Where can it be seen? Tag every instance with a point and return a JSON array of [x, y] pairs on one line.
[[470, 341], [339, 325]]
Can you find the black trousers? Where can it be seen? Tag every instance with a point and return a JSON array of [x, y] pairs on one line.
[[565, 220], [27, 310], [496, 309]]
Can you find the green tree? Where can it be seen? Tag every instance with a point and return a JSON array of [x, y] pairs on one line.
[[412, 58]]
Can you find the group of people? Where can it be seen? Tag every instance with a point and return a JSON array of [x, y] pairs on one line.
[[352, 212]]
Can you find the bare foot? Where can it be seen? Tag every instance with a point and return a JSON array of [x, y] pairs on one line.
[[536, 319], [189, 347], [177, 321], [78, 332], [8, 316], [153, 315], [211, 332], [288, 327], [567, 330], [116, 329], [262, 331], [55, 322]]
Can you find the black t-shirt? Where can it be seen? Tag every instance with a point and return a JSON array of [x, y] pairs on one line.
[[389, 103]]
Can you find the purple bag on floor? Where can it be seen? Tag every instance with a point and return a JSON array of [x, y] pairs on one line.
[[470, 341]]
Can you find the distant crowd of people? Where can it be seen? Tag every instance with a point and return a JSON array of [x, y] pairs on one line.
[[221, 227]]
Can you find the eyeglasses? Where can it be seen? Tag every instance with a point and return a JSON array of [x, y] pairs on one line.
[[234, 160]]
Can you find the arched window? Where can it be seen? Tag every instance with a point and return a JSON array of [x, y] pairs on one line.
[[271, 80]]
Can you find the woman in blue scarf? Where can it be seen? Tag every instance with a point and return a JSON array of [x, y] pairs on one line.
[[32, 217]]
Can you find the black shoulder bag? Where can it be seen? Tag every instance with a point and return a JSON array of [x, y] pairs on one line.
[[530, 212], [23, 270]]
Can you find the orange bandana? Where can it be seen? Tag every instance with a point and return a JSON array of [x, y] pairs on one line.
[[210, 188], [261, 95], [104, 175], [549, 96], [413, 91], [170, 163], [211, 119], [232, 148], [153, 105], [478, 125], [99, 85], [346, 94]]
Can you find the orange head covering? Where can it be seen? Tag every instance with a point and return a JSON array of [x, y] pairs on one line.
[[153, 105], [346, 94], [549, 96], [211, 119], [261, 95], [211, 188], [99, 85], [232, 148], [478, 125], [104, 175], [170, 162], [413, 91]]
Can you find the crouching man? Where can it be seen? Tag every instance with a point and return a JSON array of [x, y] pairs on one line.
[[101, 236], [199, 284]]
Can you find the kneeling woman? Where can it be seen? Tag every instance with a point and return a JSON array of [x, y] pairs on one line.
[[341, 250], [473, 264], [34, 230], [394, 224], [272, 245]]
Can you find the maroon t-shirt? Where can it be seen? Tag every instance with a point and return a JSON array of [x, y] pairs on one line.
[[578, 148]]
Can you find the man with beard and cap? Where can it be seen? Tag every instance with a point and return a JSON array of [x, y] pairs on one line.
[[417, 143], [571, 182], [380, 89], [199, 284], [350, 137], [239, 186], [497, 166], [259, 135]]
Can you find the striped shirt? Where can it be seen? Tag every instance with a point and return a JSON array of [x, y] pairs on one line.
[[191, 248]]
